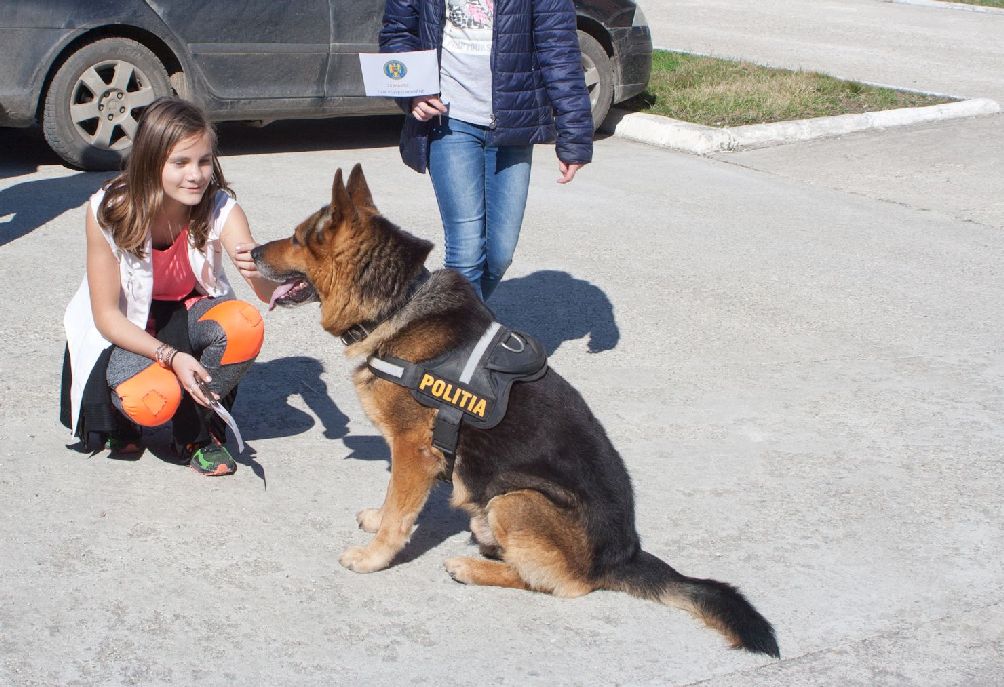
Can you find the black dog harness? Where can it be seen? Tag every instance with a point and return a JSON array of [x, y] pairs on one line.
[[469, 384]]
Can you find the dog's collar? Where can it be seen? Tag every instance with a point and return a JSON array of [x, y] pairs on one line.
[[359, 331]]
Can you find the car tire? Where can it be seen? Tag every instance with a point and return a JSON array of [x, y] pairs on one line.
[[599, 77], [96, 98]]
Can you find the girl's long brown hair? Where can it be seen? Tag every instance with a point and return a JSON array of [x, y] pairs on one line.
[[134, 197]]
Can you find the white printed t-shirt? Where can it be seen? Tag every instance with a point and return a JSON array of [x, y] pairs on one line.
[[465, 69]]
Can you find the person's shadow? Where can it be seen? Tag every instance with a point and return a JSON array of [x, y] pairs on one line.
[[26, 206], [555, 307]]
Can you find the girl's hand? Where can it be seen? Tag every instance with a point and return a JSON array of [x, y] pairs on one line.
[[425, 107], [568, 171], [243, 261], [189, 371]]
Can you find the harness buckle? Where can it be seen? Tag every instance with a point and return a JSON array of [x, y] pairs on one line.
[[354, 334]]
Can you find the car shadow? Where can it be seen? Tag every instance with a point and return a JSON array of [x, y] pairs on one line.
[[555, 307], [308, 135], [24, 151]]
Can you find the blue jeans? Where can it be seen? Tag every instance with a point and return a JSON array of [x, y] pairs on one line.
[[481, 191]]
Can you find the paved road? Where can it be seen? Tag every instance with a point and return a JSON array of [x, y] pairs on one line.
[[798, 355], [909, 46], [955, 168]]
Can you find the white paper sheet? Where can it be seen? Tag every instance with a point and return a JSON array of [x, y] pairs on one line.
[[400, 74], [229, 419]]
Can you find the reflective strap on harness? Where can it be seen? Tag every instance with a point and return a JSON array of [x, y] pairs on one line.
[[446, 430], [386, 367], [478, 353], [468, 384]]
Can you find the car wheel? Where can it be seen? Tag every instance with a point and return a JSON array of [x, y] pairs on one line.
[[599, 77], [95, 99]]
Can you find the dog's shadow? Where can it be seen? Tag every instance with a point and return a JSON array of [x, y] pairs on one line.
[[263, 409], [555, 307], [263, 406], [438, 522]]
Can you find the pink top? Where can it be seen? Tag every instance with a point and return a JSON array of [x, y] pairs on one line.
[[173, 278]]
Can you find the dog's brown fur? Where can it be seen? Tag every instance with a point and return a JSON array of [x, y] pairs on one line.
[[549, 498]]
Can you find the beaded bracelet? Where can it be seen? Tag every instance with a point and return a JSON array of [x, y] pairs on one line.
[[165, 355]]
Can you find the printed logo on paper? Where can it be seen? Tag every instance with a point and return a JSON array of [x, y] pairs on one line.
[[395, 70]]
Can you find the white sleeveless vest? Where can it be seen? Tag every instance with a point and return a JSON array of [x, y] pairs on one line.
[[83, 339]]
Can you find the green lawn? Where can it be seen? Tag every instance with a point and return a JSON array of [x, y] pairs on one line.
[[985, 3], [716, 92]]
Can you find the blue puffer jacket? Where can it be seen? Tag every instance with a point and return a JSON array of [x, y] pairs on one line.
[[538, 89]]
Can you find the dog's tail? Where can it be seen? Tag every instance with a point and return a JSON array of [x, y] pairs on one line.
[[718, 604]]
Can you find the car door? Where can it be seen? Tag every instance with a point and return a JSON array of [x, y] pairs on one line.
[[355, 28], [254, 49]]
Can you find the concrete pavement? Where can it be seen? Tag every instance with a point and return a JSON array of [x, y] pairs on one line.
[[952, 167]]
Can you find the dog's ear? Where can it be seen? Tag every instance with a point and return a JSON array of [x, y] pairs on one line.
[[341, 203], [359, 190]]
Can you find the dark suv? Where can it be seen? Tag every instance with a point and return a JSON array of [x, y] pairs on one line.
[[84, 70]]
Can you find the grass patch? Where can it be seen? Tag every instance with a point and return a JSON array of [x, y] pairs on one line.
[[715, 92], [984, 3]]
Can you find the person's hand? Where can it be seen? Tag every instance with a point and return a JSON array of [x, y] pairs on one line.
[[425, 107], [189, 371], [244, 262], [568, 171]]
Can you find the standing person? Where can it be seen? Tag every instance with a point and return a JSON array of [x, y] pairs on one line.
[[155, 314], [510, 76]]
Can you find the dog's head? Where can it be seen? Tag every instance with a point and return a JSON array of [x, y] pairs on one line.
[[347, 256]]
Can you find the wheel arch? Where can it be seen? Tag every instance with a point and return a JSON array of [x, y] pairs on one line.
[[597, 31], [161, 50]]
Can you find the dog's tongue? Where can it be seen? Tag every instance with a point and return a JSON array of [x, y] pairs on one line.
[[281, 291]]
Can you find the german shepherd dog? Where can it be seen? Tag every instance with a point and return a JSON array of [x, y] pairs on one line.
[[549, 497]]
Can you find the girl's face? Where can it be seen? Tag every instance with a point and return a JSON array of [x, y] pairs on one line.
[[188, 170]]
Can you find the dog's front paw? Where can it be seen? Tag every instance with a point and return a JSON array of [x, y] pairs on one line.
[[365, 559], [459, 568], [369, 519]]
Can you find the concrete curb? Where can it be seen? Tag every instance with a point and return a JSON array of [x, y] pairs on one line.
[[704, 140], [949, 6]]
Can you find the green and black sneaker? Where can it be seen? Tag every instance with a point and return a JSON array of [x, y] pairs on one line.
[[213, 460]]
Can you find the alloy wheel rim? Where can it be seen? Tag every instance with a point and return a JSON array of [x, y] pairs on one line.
[[106, 102], [592, 74]]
